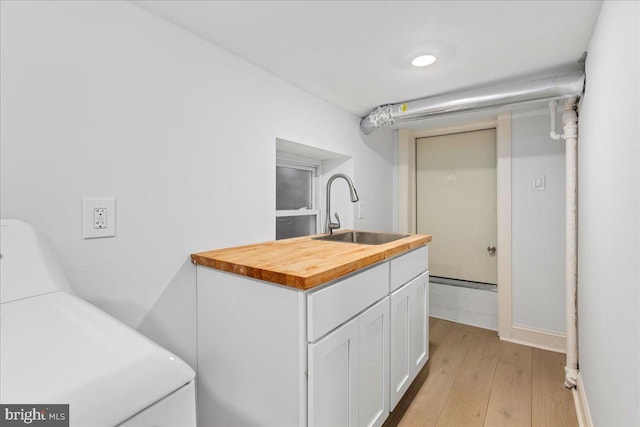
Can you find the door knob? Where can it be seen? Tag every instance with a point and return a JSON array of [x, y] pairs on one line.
[[491, 249]]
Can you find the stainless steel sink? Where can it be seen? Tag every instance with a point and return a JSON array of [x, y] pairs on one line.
[[362, 237]]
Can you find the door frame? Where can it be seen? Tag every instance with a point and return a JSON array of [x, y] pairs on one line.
[[407, 198]]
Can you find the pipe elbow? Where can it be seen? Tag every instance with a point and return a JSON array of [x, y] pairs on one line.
[[570, 377], [381, 116], [555, 135]]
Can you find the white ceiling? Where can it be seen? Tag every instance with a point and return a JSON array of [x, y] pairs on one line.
[[355, 54]]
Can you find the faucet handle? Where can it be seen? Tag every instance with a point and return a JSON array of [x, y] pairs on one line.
[[332, 225]]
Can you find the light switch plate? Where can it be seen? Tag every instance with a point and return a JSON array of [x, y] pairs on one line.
[[98, 217], [537, 183]]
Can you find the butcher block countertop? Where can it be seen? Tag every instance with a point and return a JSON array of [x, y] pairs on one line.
[[302, 262]]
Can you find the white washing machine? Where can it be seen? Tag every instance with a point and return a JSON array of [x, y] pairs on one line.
[[58, 349]]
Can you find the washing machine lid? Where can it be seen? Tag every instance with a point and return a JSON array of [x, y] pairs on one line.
[[57, 348]]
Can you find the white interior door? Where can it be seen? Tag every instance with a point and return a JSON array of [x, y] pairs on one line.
[[456, 203]]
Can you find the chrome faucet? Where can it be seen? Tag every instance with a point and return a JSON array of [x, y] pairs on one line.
[[354, 198]]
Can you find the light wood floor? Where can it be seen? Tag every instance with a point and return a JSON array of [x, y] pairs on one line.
[[474, 379]]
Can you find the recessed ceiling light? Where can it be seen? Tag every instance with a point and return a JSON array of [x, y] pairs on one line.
[[423, 60]]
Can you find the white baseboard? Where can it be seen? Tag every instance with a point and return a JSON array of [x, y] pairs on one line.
[[582, 406], [538, 338]]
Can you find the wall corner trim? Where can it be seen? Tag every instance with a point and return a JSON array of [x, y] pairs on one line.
[[503, 169], [582, 405]]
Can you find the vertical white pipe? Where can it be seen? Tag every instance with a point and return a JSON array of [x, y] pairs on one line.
[[553, 106], [570, 135]]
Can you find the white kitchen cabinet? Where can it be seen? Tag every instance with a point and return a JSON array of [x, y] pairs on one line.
[[419, 323], [276, 355], [399, 349], [408, 266], [373, 365], [332, 305], [333, 378], [252, 352], [348, 372], [409, 349]]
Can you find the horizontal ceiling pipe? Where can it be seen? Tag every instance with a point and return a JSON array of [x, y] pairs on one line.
[[543, 89]]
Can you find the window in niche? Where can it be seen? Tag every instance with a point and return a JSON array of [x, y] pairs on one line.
[[297, 212]]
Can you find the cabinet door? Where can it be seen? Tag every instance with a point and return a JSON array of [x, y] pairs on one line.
[[419, 326], [373, 365], [400, 357], [333, 378]]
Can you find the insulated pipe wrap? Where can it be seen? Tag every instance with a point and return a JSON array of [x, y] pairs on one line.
[[559, 87], [570, 135]]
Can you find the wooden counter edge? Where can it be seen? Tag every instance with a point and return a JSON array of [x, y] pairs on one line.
[[305, 283]]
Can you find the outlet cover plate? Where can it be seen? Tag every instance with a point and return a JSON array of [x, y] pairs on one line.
[[89, 228]]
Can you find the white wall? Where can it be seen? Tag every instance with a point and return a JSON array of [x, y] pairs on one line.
[[538, 224], [609, 219], [104, 99]]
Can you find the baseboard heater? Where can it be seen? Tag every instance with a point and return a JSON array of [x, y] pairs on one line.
[[464, 283]]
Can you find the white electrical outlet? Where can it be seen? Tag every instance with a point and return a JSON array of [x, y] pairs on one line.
[[98, 217]]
